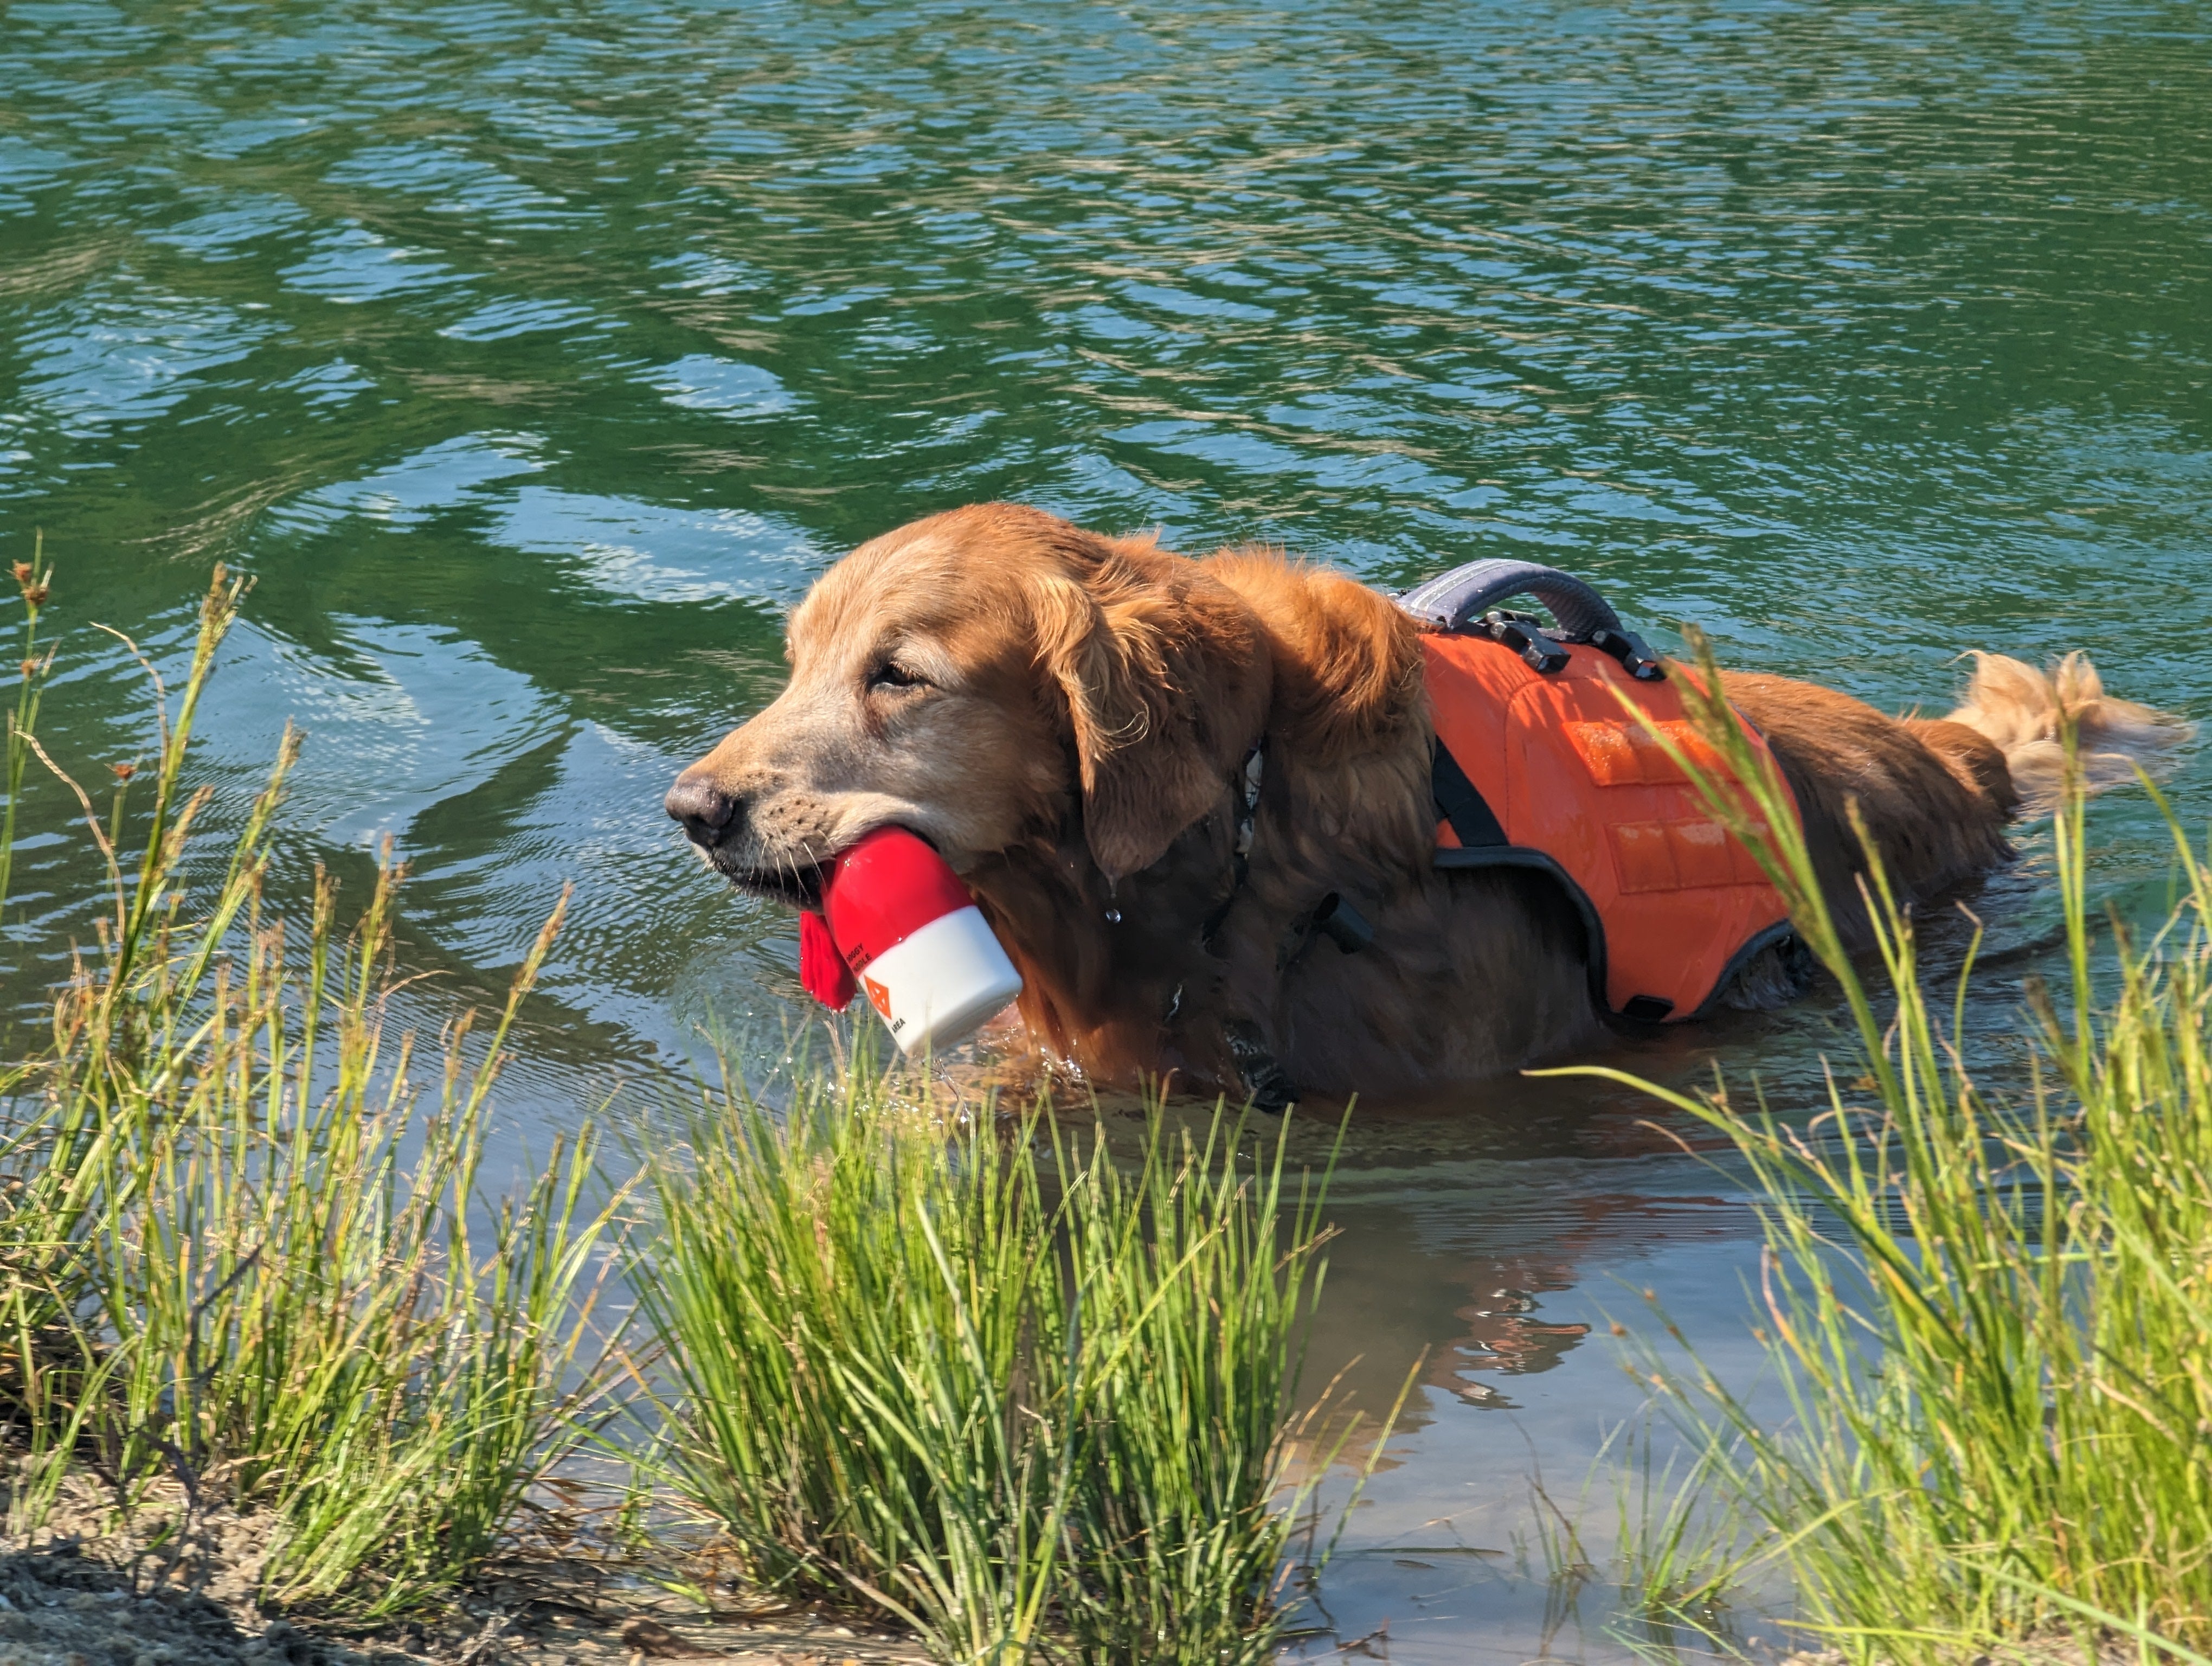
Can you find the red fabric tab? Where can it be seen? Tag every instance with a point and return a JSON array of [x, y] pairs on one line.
[[820, 968]]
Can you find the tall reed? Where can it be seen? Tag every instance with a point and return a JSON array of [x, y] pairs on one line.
[[242, 1259], [1989, 1310], [1031, 1402], [33, 581]]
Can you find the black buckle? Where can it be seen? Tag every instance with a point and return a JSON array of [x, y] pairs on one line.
[[1525, 636], [1342, 924], [1633, 653]]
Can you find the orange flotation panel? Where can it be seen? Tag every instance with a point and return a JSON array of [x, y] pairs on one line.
[[1572, 783]]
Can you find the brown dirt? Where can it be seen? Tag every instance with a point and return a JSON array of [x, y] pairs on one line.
[[2056, 1649], [90, 1592]]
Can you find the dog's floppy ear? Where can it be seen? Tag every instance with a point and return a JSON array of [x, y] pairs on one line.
[[1166, 683]]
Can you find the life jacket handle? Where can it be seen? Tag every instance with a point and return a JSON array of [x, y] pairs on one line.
[[1460, 600], [1450, 600]]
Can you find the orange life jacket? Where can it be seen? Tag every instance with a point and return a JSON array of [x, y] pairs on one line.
[[1565, 779]]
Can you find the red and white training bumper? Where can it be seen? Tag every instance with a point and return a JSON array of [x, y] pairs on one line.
[[897, 920]]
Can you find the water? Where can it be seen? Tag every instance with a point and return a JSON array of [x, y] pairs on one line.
[[534, 358]]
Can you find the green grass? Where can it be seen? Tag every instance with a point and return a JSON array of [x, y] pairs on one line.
[[242, 1259], [1031, 1398], [1033, 1402], [1990, 1312], [977, 1375]]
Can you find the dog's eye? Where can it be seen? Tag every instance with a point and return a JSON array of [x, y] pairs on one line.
[[890, 676]]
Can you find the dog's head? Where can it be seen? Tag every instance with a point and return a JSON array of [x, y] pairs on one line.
[[978, 677]]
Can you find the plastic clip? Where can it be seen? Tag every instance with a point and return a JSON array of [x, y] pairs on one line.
[[1633, 653], [1342, 924], [1525, 637]]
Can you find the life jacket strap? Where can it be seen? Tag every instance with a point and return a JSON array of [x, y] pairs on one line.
[[1245, 784], [1460, 801]]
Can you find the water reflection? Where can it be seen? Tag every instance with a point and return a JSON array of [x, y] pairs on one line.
[[1492, 1266]]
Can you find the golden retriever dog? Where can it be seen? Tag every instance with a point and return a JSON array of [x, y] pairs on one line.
[[1067, 717]]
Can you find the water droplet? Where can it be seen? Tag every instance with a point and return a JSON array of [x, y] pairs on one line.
[[1113, 916]]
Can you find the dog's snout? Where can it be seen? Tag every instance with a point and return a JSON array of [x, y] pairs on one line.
[[703, 808]]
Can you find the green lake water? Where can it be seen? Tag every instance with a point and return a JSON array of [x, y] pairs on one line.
[[535, 357]]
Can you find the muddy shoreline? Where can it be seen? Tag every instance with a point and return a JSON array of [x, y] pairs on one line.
[[165, 1591]]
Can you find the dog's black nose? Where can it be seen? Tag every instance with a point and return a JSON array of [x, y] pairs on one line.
[[703, 808]]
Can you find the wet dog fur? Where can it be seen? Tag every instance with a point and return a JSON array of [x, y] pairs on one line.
[[1066, 716]]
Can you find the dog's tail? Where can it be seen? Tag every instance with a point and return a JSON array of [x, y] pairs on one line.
[[2022, 711]]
